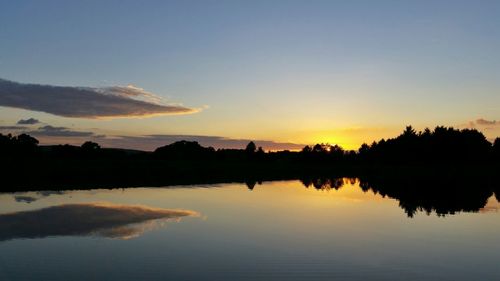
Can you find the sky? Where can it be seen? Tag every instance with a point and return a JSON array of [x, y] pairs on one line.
[[140, 74]]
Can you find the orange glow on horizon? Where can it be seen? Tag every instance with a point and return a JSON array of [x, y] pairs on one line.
[[350, 138]]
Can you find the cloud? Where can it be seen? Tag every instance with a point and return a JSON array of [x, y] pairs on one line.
[[151, 142], [481, 122], [485, 122], [51, 131], [87, 219], [11, 128], [87, 102], [30, 121], [48, 131]]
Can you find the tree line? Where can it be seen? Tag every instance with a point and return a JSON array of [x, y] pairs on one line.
[[441, 145], [434, 153]]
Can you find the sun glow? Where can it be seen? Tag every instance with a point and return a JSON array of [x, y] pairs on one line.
[[346, 142], [349, 138]]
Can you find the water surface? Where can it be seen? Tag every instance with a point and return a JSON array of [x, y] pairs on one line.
[[275, 231]]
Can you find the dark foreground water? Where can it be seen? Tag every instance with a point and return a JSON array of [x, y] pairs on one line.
[[277, 231]]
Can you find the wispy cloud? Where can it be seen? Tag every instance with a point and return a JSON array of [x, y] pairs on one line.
[[87, 102], [485, 122], [29, 121], [51, 131], [11, 128], [482, 123], [48, 131]]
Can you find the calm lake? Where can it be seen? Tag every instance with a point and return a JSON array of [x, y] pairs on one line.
[[276, 231]]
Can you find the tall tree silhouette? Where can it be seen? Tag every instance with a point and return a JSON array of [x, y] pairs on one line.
[[250, 148]]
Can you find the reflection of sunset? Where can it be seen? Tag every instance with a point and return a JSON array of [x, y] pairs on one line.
[[349, 190]]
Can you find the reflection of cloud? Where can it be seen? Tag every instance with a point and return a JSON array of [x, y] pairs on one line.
[[100, 219], [39, 194], [25, 199], [86, 102], [30, 121], [133, 230]]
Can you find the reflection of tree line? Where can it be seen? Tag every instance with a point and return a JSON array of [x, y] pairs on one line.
[[443, 196], [25, 163]]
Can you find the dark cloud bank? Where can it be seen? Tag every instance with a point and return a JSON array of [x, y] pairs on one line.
[[85, 102]]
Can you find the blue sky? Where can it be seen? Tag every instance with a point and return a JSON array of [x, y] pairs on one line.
[[287, 71]]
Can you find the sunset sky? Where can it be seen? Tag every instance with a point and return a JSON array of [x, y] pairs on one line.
[[140, 74]]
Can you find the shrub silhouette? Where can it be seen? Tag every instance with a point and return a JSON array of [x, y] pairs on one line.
[[184, 150]]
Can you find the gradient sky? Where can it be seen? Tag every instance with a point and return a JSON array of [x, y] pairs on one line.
[[285, 71]]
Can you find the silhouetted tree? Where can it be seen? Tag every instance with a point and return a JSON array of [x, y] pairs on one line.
[[185, 150], [306, 149], [6, 144], [260, 154], [364, 148], [409, 132], [22, 145], [26, 141], [251, 148], [320, 148], [441, 145], [90, 146]]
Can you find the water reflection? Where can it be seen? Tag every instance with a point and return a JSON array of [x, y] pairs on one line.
[[99, 219], [25, 199], [38, 195], [442, 196], [320, 228]]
